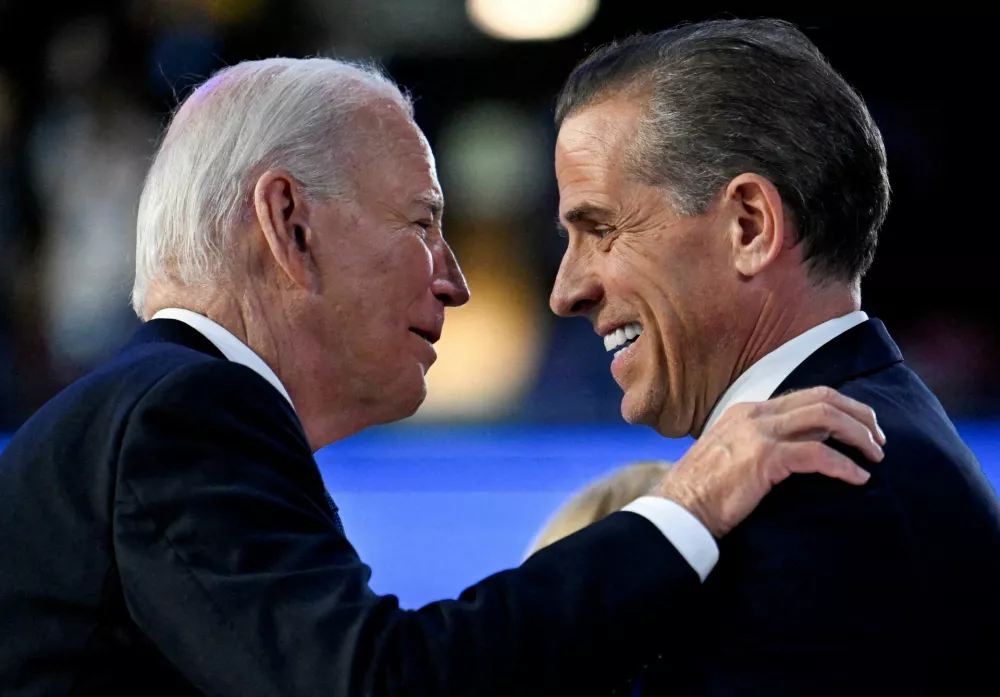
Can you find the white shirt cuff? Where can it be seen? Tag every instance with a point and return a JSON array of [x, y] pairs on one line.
[[685, 532]]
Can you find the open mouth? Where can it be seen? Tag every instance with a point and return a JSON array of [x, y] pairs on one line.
[[623, 337]]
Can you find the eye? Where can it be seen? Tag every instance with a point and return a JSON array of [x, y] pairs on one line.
[[425, 226], [604, 232]]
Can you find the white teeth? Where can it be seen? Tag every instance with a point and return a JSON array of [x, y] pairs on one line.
[[618, 337]]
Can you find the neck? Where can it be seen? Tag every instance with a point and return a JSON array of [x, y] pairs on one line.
[[778, 321], [327, 414]]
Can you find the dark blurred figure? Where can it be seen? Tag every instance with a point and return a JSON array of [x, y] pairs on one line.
[[24, 373], [88, 151], [9, 241]]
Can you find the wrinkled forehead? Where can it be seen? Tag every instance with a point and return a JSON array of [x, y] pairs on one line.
[[592, 150], [383, 125]]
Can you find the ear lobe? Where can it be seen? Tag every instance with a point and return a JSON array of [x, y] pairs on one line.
[[759, 223], [282, 214]]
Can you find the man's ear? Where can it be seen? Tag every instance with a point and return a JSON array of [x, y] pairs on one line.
[[283, 215], [759, 229]]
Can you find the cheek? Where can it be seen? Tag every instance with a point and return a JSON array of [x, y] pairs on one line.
[[669, 296], [645, 282], [680, 272], [424, 260], [401, 268], [405, 274], [402, 279]]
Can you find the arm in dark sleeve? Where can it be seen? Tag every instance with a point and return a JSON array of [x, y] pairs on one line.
[[231, 563]]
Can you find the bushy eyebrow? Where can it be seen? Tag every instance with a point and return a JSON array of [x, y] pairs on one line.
[[433, 200], [585, 211]]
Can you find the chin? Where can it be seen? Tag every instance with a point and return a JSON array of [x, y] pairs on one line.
[[647, 408], [637, 409], [409, 398]]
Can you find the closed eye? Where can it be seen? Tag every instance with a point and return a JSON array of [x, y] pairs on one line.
[[425, 226], [599, 232]]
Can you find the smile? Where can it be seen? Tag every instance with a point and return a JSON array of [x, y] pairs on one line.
[[623, 337]]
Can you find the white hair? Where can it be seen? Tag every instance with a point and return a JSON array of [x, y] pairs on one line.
[[295, 114]]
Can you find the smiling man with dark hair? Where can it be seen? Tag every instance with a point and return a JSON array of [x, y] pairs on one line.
[[722, 188]]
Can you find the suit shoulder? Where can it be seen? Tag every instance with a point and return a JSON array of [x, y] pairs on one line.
[[107, 394], [219, 389], [913, 419], [929, 478]]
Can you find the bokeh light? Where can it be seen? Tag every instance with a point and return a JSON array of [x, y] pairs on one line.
[[525, 20]]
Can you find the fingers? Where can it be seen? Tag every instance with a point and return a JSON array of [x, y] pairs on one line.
[[822, 420], [815, 458], [827, 395], [862, 412]]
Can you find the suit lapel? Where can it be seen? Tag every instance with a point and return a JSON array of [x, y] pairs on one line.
[[858, 351]]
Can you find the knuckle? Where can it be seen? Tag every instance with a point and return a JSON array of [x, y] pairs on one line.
[[831, 412], [815, 450], [825, 394], [826, 411], [751, 432], [784, 397], [815, 457]]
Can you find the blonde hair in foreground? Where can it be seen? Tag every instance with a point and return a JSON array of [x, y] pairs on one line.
[[600, 499]]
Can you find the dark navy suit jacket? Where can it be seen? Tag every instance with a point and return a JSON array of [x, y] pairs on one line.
[[892, 588], [165, 531]]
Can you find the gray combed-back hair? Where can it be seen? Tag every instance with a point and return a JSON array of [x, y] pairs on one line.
[[295, 114], [726, 97]]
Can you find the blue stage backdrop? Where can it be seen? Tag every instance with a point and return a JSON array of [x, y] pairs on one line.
[[432, 510]]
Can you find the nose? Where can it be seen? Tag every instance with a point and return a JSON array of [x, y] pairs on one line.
[[577, 289], [448, 284]]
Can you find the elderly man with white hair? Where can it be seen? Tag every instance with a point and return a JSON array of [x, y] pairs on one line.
[[166, 529]]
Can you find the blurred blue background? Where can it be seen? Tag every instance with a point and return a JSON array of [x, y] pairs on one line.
[[433, 510]]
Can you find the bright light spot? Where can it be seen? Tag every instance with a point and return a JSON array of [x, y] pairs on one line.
[[521, 20]]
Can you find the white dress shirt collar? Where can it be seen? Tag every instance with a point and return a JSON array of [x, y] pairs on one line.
[[230, 347], [759, 381]]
